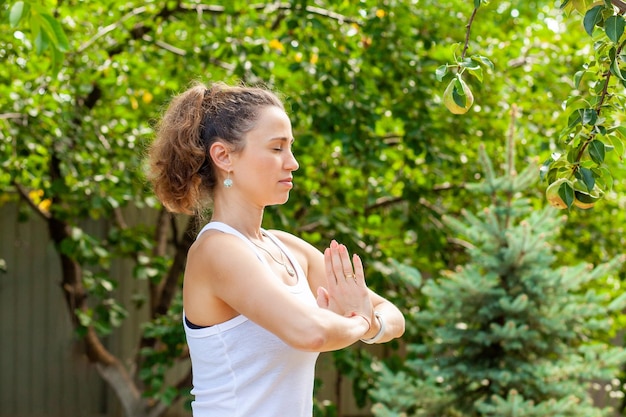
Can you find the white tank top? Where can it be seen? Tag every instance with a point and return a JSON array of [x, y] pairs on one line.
[[242, 370]]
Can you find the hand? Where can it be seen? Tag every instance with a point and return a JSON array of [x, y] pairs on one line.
[[347, 292]]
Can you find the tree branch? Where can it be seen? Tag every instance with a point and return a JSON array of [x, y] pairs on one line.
[[160, 234], [13, 116], [469, 29], [71, 278], [170, 285], [109, 28], [165, 45], [620, 5], [24, 196], [202, 8]]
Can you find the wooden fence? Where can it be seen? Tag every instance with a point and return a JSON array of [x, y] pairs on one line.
[[43, 369]]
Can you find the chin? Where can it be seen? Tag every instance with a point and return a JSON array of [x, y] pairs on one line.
[[279, 202]]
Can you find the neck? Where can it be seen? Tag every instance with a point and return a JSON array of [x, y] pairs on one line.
[[245, 218]]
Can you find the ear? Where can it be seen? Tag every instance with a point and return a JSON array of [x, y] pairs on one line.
[[221, 155]]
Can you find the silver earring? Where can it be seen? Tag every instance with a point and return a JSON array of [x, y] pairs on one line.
[[228, 182]]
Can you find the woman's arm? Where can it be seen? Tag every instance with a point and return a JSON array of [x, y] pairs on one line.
[[315, 266], [247, 287]]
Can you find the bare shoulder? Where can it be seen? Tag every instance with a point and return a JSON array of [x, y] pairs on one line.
[[211, 248]]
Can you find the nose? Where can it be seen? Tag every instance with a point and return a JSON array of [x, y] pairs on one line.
[[291, 162]]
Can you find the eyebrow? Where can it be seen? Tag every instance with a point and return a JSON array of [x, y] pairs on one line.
[[283, 139]]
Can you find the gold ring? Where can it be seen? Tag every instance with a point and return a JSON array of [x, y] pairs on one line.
[[350, 275]]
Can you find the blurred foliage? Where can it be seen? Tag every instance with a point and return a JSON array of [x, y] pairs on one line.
[[381, 158]]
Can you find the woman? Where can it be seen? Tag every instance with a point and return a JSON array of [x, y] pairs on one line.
[[253, 324]]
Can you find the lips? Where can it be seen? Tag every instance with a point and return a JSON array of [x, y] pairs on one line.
[[287, 181]]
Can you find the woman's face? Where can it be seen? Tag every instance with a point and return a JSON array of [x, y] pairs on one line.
[[263, 169]]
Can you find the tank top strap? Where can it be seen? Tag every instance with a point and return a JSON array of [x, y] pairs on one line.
[[224, 228], [301, 283]]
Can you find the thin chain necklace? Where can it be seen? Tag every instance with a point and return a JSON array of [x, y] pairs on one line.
[[282, 262]]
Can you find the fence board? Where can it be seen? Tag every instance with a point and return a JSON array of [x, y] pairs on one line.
[[41, 374]]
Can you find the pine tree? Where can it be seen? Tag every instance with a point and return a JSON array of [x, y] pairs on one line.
[[509, 333]]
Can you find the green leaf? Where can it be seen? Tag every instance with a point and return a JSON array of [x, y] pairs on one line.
[[484, 61], [60, 40], [587, 178], [47, 27], [578, 78], [574, 119], [458, 94], [17, 12], [41, 42], [597, 151], [566, 192], [478, 73], [441, 72], [35, 26], [617, 144], [592, 17], [621, 131], [57, 60], [470, 64], [614, 27], [615, 69], [589, 116]]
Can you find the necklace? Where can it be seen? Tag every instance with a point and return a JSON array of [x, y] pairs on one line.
[[282, 262]]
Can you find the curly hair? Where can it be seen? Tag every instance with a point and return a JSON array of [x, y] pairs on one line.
[[180, 168]]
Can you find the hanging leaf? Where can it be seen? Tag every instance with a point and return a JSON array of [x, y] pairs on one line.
[[57, 36], [615, 69], [587, 178], [441, 72], [597, 151], [592, 17], [589, 116], [566, 192], [614, 27]]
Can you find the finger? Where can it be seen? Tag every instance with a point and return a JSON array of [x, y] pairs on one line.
[[340, 262], [346, 265], [328, 265], [358, 269], [323, 299]]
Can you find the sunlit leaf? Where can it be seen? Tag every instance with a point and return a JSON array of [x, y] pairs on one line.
[[18, 10], [614, 27], [441, 72], [60, 40]]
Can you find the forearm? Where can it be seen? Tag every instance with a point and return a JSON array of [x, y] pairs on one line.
[[390, 318], [336, 332]]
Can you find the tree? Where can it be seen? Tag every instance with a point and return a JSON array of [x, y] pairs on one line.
[[577, 176], [509, 333]]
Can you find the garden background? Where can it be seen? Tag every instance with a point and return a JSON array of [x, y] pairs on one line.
[[446, 209]]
